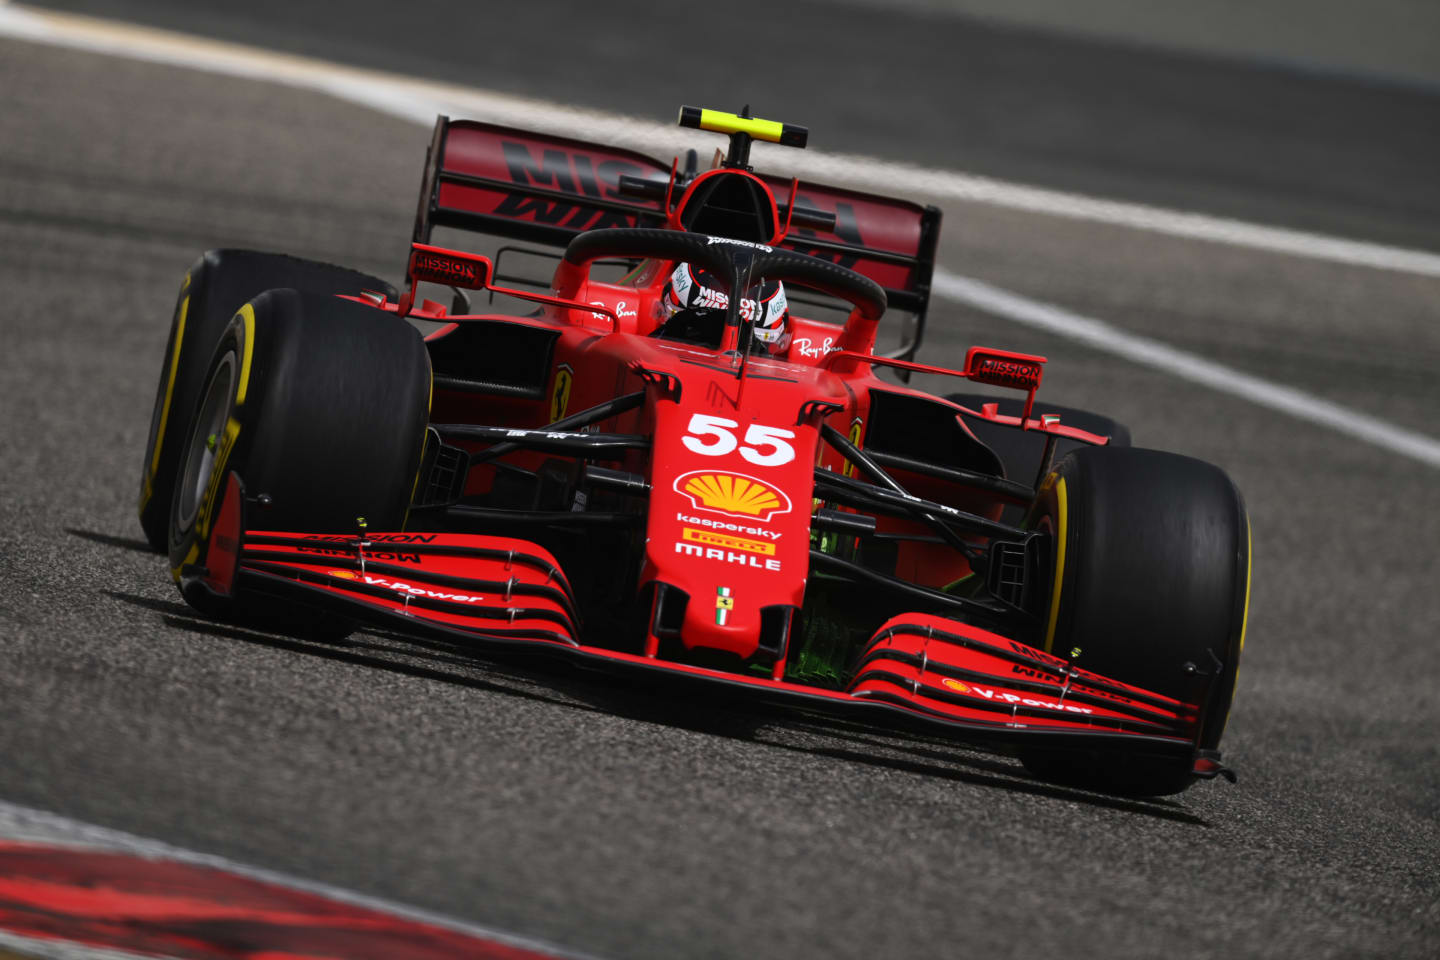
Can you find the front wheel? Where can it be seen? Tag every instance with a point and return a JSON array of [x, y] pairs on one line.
[[216, 285], [1150, 586], [320, 405]]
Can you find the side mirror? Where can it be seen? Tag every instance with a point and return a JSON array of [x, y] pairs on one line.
[[1003, 368], [453, 268]]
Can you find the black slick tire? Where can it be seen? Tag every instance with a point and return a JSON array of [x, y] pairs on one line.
[[1151, 585], [215, 286], [320, 406]]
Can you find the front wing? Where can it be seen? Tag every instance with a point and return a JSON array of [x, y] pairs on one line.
[[919, 673]]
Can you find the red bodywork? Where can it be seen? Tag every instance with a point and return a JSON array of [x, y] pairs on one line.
[[731, 469]]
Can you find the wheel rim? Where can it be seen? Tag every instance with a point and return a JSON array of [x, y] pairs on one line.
[[200, 451]]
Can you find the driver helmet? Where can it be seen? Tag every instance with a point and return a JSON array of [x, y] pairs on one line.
[[693, 288]]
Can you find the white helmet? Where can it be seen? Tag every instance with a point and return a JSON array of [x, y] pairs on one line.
[[691, 288]]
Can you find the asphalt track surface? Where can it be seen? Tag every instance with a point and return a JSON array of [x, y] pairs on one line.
[[561, 806]]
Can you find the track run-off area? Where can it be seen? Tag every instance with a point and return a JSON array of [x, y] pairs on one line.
[[599, 818]]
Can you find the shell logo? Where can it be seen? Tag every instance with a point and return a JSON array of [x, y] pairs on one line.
[[733, 494], [343, 574], [955, 685]]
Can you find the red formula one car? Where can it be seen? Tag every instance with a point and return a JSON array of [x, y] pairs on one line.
[[665, 468]]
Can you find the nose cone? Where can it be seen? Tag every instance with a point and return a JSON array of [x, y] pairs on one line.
[[721, 621], [729, 516], [734, 544]]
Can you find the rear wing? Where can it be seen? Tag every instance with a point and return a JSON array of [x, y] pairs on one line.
[[529, 186], [546, 189], [890, 241]]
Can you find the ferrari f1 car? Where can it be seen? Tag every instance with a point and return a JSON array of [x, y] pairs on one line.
[[628, 479]]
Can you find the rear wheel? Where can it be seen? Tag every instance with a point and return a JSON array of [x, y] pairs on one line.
[[214, 288], [320, 405], [1151, 587]]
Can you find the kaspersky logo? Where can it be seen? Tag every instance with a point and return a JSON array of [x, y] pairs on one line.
[[733, 494]]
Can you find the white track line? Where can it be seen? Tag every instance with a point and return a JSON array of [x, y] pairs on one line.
[[26, 825], [413, 99], [1152, 353], [420, 100], [45, 948]]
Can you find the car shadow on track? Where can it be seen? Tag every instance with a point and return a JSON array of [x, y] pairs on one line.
[[919, 755], [563, 685], [426, 664], [123, 543]]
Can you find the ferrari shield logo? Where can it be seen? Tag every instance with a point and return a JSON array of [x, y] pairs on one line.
[[560, 395], [724, 603]]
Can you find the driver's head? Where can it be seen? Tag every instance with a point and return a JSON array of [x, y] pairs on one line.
[[764, 305]]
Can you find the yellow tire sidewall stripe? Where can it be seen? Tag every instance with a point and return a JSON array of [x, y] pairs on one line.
[[247, 316], [1061, 521], [1249, 565], [226, 442], [154, 466]]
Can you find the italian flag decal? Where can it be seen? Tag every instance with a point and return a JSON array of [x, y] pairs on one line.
[[724, 603]]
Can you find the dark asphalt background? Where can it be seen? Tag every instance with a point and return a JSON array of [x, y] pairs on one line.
[[561, 806], [1216, 135]]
